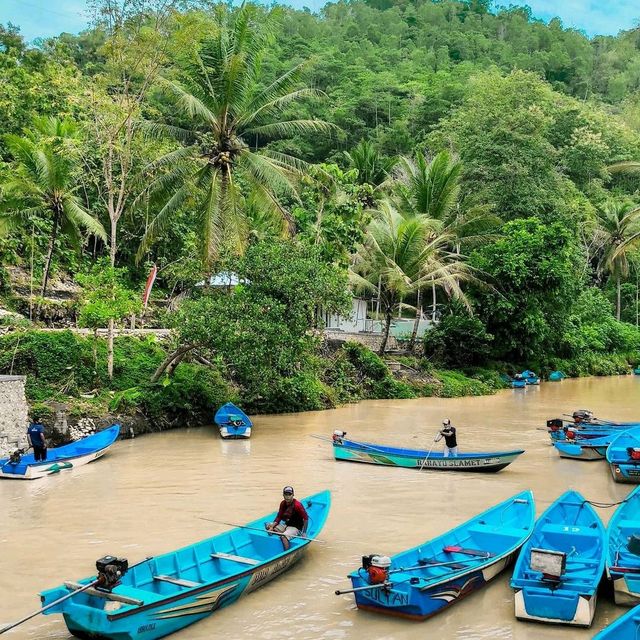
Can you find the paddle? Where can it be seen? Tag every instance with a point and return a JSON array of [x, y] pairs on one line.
[[436, 439], [59, 600], [268, 531]]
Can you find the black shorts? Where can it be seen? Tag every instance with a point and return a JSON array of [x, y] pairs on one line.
[[40, 453]]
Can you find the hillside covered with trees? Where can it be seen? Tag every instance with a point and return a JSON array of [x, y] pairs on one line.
[[439, 157]]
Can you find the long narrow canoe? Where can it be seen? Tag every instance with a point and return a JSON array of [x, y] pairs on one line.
[[623, 456], [65, 458], [569, 526], [623, 566], [438, 573], [587, 449], [164, 594], [233, 422], [626, 627], [366, 452]]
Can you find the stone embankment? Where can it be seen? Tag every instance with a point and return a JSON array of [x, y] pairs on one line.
[[13, 414]]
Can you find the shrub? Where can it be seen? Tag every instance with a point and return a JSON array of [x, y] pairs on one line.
[[458, 341]]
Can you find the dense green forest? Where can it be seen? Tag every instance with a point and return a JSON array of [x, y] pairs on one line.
[[439, 157]]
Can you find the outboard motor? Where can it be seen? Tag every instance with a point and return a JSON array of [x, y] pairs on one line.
[[571, 435], [16, 456], [338, 435], [377, 568], [555, 424], [634, 453], [582, 415], [110, 570]]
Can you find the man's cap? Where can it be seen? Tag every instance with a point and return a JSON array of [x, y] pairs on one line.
[[288, 490], [446, 422]]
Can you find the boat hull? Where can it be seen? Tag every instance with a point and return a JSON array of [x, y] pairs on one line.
[[577, 611], [235, 433], [626, 588], [576, 451], [626, 627], [422, 460], [424, 604], [166, 593], [570, 597], [62, 459], [177, 612]]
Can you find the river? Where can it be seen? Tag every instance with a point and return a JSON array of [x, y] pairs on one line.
[[148, 496]]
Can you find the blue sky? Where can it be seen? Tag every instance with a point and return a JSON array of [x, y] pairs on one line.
[[41, 18]]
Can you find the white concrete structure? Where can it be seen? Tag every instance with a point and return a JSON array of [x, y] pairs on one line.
[[14, 418]]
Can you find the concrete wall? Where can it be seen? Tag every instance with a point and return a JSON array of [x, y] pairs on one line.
[[371, 340], [13, 414]]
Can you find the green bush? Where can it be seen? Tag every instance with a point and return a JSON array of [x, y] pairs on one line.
[[301, 392], [369, 364], [391, 388]]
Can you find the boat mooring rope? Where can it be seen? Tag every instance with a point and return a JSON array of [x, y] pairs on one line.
[[605, 505]]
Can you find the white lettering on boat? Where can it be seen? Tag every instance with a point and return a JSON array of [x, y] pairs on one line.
[[453, 462]]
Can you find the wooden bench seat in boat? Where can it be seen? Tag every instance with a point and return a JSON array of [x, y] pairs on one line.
[[228, 556], [178, 581], [569, 530]]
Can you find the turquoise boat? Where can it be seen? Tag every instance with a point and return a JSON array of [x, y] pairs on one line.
[[557, 376], [623, 456], [623, 561], [161, 595], [530, 377], [584, 449], [65, 458], [558, 571], [422, 459], [626, 627], [233, 422], [636, 371], [423, 581]]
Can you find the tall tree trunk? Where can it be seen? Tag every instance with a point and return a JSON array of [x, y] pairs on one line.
[[618, 287], [416, 323], [47, 264], [110, 348], [112, 257], [169, 359], [434, 301], [385, 334]]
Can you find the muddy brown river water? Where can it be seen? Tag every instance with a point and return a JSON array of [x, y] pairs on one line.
[[147, 497]]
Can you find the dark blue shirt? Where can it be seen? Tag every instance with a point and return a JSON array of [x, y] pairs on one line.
[[36, 434]]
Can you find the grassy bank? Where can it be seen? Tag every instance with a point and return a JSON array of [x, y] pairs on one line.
[[66, 368]]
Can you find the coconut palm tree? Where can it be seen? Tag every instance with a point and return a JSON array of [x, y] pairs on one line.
[[399, 255], [44, 182], [617, 233], [225, 114], [373, 168], [431, 188]]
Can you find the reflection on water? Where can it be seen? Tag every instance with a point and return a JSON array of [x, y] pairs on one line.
[[149, 494]]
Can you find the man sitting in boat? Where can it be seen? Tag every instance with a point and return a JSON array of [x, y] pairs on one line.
[[450, 443], [292, 518], [35, 433]]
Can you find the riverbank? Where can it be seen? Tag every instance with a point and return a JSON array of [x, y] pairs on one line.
[[66, 370]]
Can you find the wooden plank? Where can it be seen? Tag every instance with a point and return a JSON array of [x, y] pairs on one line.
[[229, 556], [178, 581], [107, 595]]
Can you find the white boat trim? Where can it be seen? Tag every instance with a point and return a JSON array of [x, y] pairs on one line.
[[583, 616]]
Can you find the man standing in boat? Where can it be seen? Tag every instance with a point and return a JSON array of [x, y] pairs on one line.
[[450, 442], [292, 518], [35, 433]]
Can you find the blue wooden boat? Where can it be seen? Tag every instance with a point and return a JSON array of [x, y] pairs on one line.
[[636, 371], [623, 561], [422, 459], [530, 377], [626, 627], [623, 456], [233, 422], [557, 376], [557, 573], [70, 456], [584, 449], [427, 579], [560, 433], [161, 595]]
